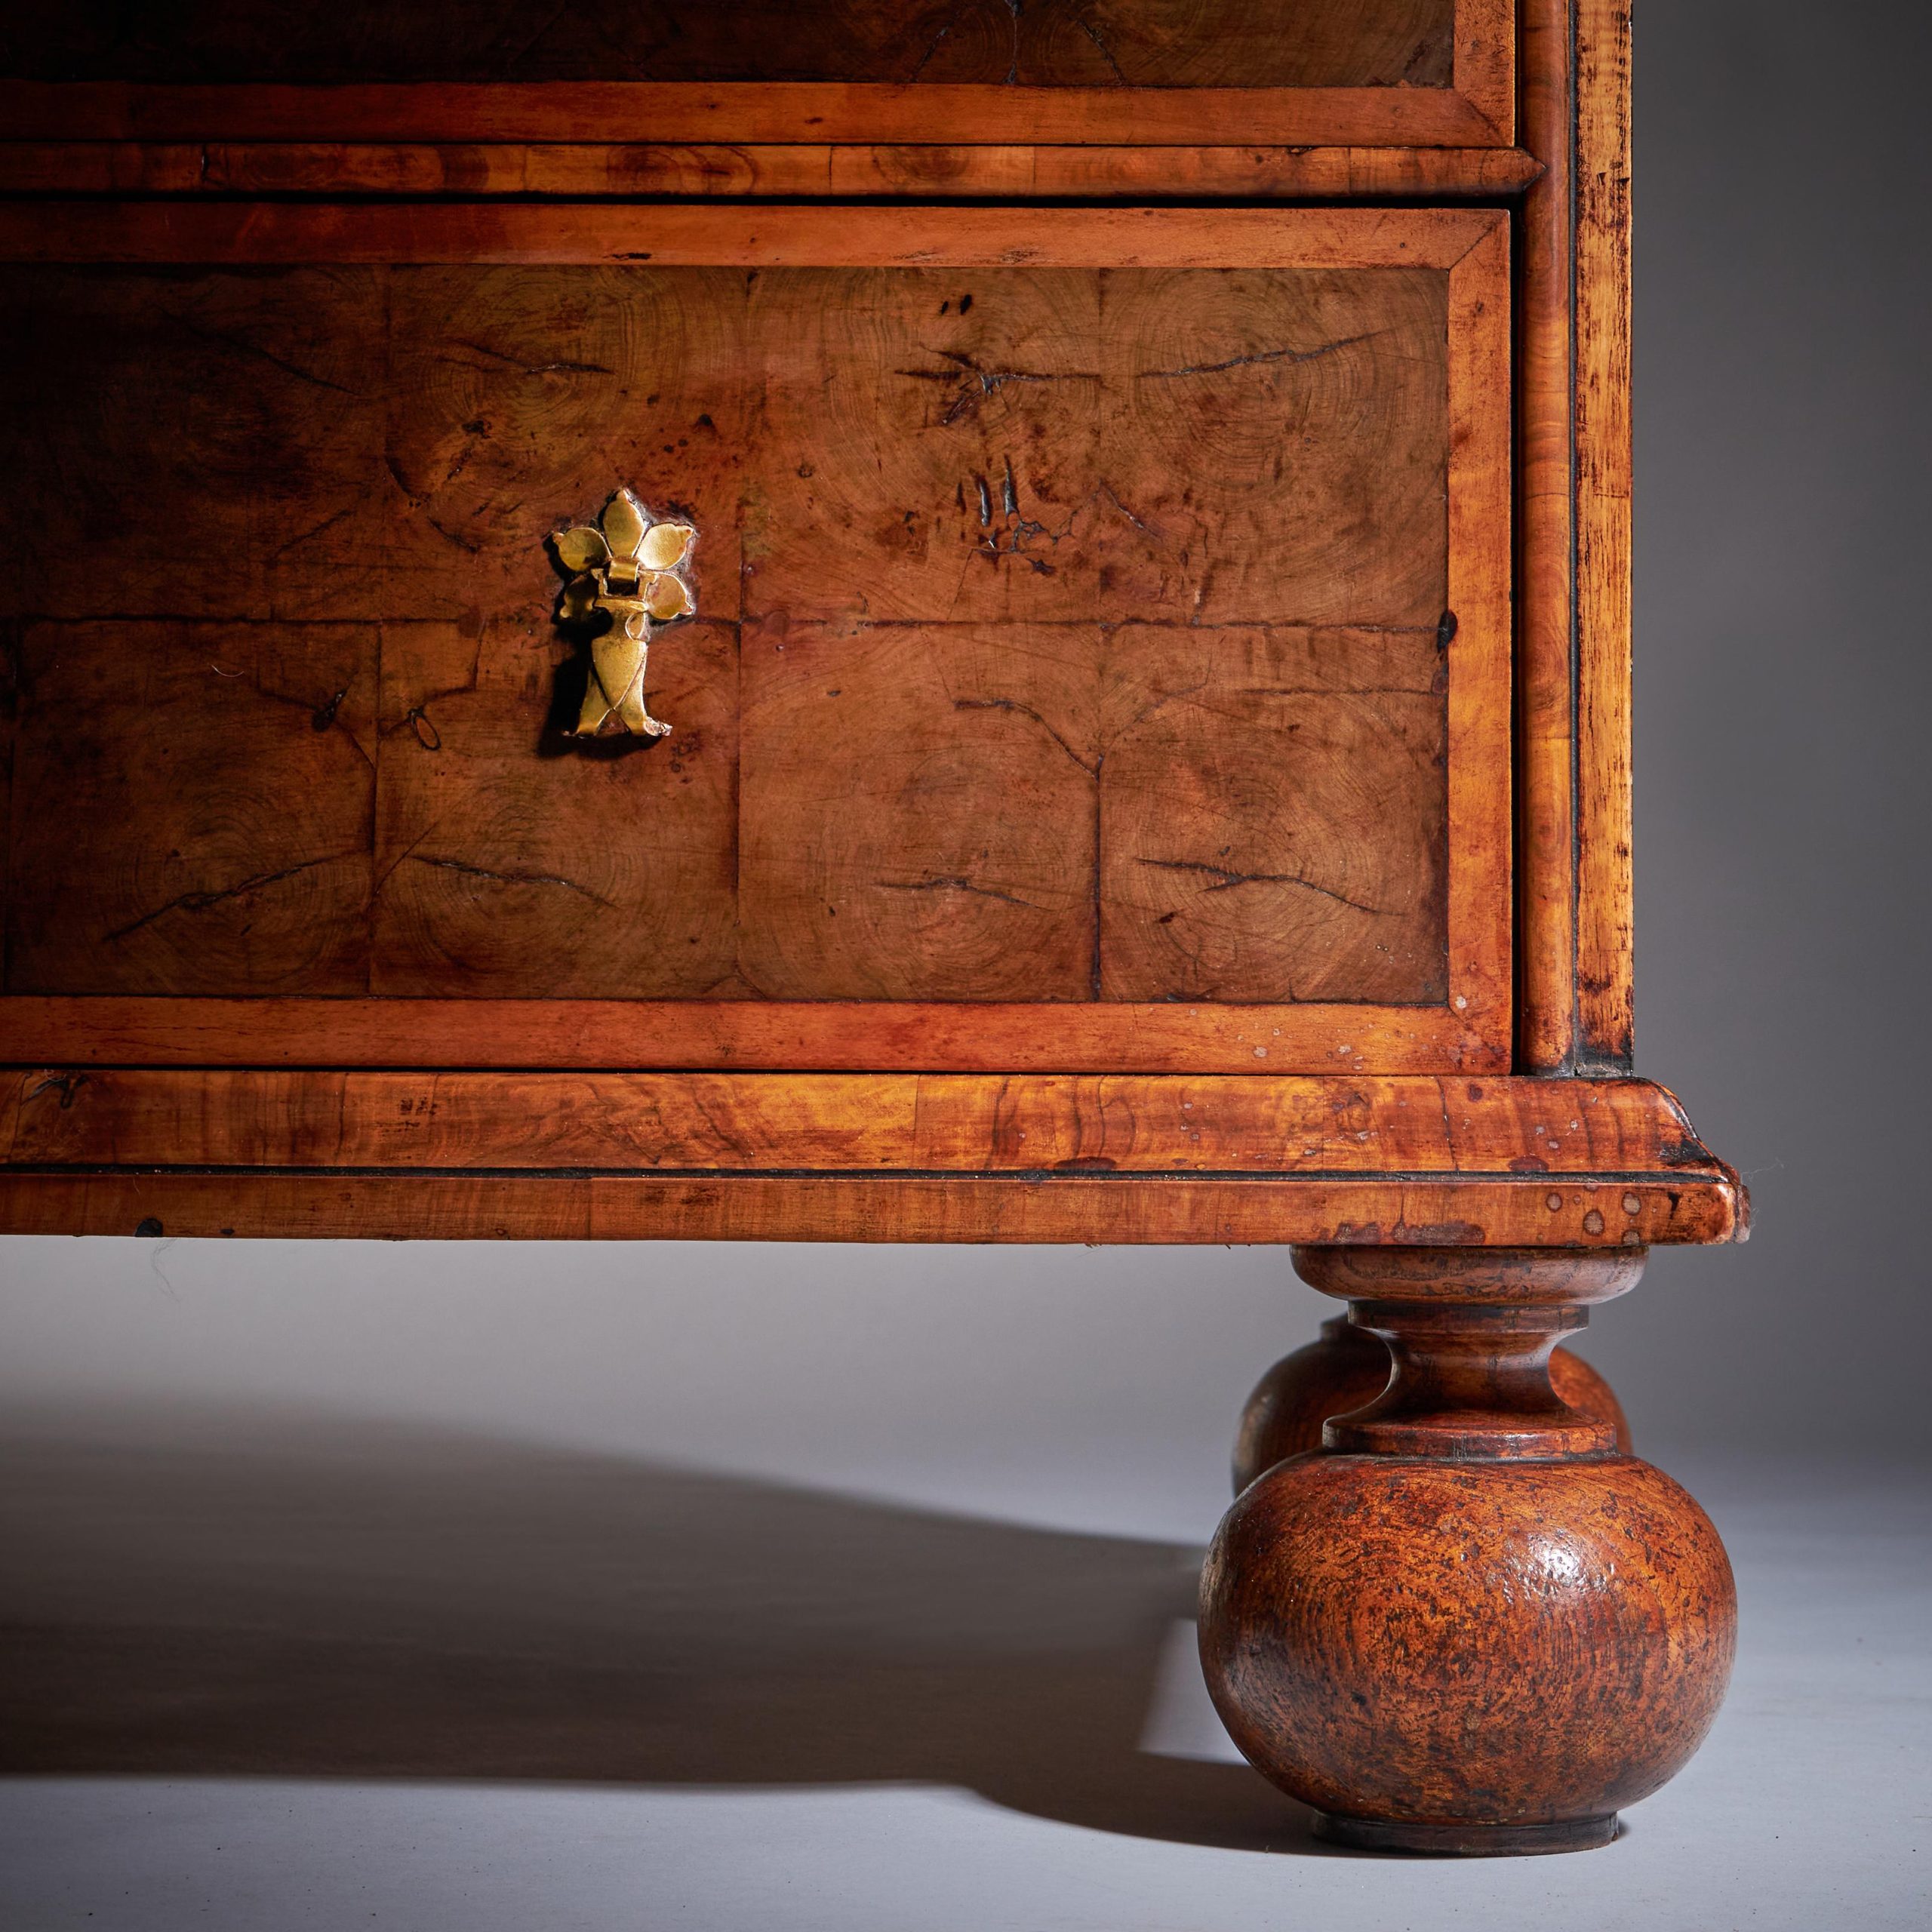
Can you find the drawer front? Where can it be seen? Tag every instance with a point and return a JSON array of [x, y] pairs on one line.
[[1365, 72], [1100, 654]]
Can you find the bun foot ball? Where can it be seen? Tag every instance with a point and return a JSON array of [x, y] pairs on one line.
[[1491, 1657], [1347, 1369]]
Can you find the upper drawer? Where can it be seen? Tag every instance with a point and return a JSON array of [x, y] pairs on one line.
[[1342, 73], [1100, 654]]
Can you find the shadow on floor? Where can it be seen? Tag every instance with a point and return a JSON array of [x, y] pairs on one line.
[[243, 1596]]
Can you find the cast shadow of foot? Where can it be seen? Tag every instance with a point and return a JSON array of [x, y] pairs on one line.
[[216, 1595]]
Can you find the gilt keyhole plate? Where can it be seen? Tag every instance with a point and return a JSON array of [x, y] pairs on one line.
[[627, 573]]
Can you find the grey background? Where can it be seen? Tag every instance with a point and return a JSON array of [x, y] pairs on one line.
[[1783, 187], [1784, 269], [1783, 273]]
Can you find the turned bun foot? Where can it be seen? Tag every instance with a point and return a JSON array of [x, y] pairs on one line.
[[1346, 1368], [1469, 1624], [1443, 1657]]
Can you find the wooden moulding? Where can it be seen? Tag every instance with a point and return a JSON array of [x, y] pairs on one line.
[[254, 1117], [779, 1035], [1573, 458], [1504, 1211], [1498, 1162], [1604, 992], [590, 169], [672, 235], [751, 113], [1480, 853], [1546, 711]]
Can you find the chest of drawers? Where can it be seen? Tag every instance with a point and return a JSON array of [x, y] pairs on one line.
[[892, 622]]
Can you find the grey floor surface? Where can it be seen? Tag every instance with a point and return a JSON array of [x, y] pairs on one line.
[[261, 1672]]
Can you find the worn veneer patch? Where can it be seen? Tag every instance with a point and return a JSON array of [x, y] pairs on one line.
[[1198, 445]]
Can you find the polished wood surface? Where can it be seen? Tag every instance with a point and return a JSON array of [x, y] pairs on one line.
[[497, 872], [786, 1036], [586, 169], [973, 1123], [1055, 685], [1545, 767], [1469, 1624], [863, 1157], [182, 232], [1605, 942], [754, 113], [152, 842], [1345, 1369], [1373, 1676], [441, 920], [1573, 453], [413, 1204]]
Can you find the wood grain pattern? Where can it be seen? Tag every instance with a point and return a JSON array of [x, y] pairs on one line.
[[1468, 1625], [673, 234], [153, 840], [790, 1036], [908, 418], [590, 169], [1299, 421], [1386, 1640], [1479, 616], [512, 401], [739, 113], [1573, 445], [1604, 939], [1484, 72], [413, 1205], [1208, 447], [232, 422], [503, 863], [1273, 826], [918, 811], [1289, 434], [1050, 43], [1426, 73], [1546, 755], [68, 1115], [1345, 1369]]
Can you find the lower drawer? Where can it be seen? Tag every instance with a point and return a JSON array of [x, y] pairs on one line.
[[1092, 652]]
